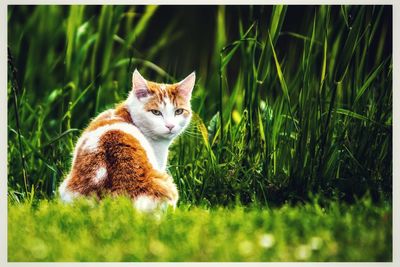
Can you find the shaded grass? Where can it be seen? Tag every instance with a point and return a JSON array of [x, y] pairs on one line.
[[112, 231], [282, 111]]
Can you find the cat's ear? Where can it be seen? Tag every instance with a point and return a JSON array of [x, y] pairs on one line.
[[139, 85], [185, 86]]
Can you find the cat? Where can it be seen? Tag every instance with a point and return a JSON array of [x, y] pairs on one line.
[[124, 150]]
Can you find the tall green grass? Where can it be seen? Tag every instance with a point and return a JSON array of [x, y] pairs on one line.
[[289, 102]]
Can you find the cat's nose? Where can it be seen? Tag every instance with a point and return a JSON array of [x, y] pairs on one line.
[[169, 126]]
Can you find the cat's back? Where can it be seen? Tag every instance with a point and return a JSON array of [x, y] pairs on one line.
[[111, 122], [108, 147]]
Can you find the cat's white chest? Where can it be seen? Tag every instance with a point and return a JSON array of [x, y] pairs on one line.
[[160, 150]]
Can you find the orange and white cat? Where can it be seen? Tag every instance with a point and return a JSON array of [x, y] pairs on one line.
[[125, 150]]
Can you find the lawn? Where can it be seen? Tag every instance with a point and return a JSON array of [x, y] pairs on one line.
[[113, 231]]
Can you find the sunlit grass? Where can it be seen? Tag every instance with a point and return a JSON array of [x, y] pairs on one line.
[[112, 231]]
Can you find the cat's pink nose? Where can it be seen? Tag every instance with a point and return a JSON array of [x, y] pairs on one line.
[[169, 126]]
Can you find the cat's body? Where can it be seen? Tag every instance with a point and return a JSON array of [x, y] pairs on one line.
[[124, 150]]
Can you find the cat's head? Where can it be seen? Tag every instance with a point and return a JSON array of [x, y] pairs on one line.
[[160, 111]]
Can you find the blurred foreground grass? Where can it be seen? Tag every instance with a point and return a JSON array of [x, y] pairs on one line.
[[112, 231]]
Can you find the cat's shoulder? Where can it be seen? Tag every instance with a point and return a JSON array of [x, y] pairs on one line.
[[119, 114], [116, 120]]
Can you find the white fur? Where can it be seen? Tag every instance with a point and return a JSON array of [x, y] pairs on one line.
[[160, 148], [113, 116], [101, 174], [148, 204], [66, 195], [145, 203]]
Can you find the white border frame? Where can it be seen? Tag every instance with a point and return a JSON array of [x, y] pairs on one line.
[[3, 121]]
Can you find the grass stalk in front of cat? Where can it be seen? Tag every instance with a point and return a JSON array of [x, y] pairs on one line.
[[14, 85]]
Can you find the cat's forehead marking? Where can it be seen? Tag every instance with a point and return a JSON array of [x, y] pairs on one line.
[[161, 92], [168, 104]]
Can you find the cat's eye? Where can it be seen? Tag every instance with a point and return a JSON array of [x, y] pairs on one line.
[[179, 111], [156, 112]]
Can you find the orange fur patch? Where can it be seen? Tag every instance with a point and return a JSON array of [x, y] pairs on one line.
[[119, 114]]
